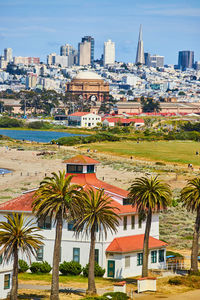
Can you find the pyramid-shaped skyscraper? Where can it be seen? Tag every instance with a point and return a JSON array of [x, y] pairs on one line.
[[140, 49]]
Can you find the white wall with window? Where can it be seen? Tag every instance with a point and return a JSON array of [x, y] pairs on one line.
[[130, 264], [5, 278]]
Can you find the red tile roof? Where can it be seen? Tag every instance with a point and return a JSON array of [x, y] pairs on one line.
[[79, 114], [123, 121], [21, 203], [133, 243], [81, 160]]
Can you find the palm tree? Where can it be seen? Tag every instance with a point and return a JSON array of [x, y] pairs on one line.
[[190, 195], [18, 234], [149, 195], [54, 198], [95, 212]]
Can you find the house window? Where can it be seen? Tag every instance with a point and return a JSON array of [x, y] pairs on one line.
[[127, 261], [1, 259], [90, 169], [161, 255], [40, 253], [76, 254], [6, 281], [70, 226], [44, 223], [74, 169], [139, 259], [96, 255], [125, 223], [132, 222], [139, 222], [153, 257]]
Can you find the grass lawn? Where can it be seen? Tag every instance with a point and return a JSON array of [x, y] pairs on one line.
[[70, 280], [169, 151]]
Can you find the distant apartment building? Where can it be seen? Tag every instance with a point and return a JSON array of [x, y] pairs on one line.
[[197, 65], [70, 52], [109, 53], [26, 60], [8, 54], [31, 81], [157, 61], [86, 51], [185, 59], [3, 63], [57, 60]]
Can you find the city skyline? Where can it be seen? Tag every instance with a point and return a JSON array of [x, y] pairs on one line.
[[37, 29]]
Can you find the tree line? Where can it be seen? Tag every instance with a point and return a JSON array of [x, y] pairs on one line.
[[61, 200]]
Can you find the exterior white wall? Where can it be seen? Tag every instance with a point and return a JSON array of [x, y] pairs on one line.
[[5, 269], [133, 270], [90, 120], [70, 241], [109, 53]]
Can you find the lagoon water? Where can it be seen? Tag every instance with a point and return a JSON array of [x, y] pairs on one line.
[[35, 135]]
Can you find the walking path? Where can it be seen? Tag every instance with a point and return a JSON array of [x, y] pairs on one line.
[[191, 295]]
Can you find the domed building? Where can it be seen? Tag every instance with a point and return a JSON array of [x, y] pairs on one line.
[[89, 85]]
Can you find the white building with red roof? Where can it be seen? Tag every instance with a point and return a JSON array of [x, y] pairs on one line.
[[84, 119], [121, 253], [122, 121]]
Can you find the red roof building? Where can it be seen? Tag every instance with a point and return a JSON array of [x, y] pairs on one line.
[[123, 251]]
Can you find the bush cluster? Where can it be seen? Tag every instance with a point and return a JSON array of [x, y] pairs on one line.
[[23, 266], [110, 295], [98, 271], [40, 125], [99, 137], [70, 268], [6, 122], [40, 267]]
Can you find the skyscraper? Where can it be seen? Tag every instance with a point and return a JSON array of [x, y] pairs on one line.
[[140, 49], [157, 61], [109, 53], [86, 51], [70, 52], [8, 54], [185, 59], [147, 59]]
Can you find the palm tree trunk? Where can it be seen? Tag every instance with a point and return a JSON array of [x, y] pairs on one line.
[[14, 290], [195, 242], [146, 245], [56, 260], [91, 281]]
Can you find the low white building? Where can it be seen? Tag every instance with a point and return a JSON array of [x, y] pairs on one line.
[[5, 279], [84, 119], [121, 253]]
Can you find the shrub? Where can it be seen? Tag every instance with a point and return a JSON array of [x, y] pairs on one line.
[[40, 267], [45, 267], [70, 268], [98, 271], [7, 122], [175, 281], [39, 125], [159, 163], [35, 267], [116, 296], [23, 266]]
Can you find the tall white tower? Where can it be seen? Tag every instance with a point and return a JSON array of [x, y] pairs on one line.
[[109, 53], [140, 49]]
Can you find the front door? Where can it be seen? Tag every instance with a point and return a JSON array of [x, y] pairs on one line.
[[111, 268]]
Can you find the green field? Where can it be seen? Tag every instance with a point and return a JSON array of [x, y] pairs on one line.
[[183, 152]]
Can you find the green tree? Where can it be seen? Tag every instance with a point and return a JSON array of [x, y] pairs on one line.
[[150, 105], [54, 198], [18, 234], [95, 212], [190, 195], [149, 195]]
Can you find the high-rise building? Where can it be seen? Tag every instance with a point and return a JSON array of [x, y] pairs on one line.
[[31, 80], [86, 51], [197, 65], [185, 59], [157, 61], [26, 60], [70, 52], [109, 53], [140, 49], [147, 59], [8, 54]]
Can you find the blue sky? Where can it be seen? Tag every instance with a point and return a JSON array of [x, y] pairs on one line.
[[39, 27]]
